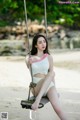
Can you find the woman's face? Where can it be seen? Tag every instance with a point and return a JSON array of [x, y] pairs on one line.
[[41, 44]]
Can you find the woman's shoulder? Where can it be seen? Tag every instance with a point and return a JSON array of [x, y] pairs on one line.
[[50, 57], [29, 56]]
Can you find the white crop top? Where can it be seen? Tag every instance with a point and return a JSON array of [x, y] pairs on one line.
[[41, 65]]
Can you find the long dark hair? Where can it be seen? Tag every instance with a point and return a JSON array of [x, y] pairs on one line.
[[34, 43]]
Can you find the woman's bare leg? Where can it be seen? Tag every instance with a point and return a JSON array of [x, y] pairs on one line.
[[40, 89], [36, 89], [36, 92], [54, 100]]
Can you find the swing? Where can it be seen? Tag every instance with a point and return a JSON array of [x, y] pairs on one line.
[[28, 103]]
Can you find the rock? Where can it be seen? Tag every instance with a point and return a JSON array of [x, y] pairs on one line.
[[13, 47], [56, 27], [59, 36], [73, 39], [36, 29], [5, 29], [2, 36], [62, 34], [50, 29], [54, 42]]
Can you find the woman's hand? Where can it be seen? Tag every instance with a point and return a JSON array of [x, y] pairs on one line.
[[30, 60]]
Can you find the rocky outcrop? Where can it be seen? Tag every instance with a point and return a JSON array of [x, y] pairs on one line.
[[13, 47], [58, 36]]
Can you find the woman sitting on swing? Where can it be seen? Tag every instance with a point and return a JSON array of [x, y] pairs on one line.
[[43, 74]]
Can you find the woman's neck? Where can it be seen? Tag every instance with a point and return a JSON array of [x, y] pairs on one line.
[[40, 53]]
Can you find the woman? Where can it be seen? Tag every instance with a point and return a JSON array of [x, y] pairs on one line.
[[43, 74]]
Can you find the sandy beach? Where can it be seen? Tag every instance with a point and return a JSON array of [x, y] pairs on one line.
[[15, 79]]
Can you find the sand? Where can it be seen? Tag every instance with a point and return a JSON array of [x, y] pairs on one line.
[[14, 82]]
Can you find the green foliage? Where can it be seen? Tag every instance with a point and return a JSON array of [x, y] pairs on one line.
[[64, 14]]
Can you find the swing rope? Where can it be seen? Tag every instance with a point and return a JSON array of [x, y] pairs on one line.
[[32, 85], [27, 32], [45, 18]]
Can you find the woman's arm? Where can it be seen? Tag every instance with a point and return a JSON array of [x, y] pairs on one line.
[[27, 61], [51, 68]]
